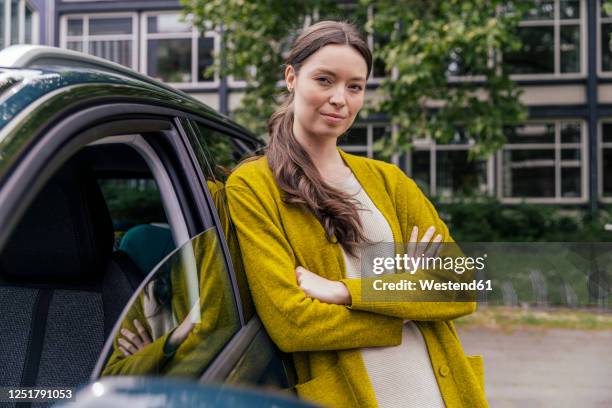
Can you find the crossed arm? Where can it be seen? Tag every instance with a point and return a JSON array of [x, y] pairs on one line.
[[301, 310]]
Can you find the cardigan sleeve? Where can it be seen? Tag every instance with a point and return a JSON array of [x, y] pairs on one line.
[[294, 321], [413, 208]]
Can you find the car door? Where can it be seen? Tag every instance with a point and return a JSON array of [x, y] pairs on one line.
[[59, 278], [187, 310], [253, 358]]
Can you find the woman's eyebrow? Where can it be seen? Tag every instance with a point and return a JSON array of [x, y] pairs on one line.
[[332, 73]]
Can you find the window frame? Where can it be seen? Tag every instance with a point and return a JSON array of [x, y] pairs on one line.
[[86, 38], [167, 192], [6, 35], [368, 148], [557, 22], [431, 146], [601, 145], [556, 147], [201, 159], [599, 19], [195, 34]]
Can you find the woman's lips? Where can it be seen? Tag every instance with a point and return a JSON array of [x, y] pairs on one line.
[[332, 119]]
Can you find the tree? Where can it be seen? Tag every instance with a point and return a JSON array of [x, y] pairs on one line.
[[428, 41], [255, 36], [425, 42]]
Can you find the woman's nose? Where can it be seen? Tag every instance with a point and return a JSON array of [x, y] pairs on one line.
[[337, 98]]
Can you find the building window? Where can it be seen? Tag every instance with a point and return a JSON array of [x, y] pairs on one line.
[[175, 52], [543, 162], [605, 161], [4, 24], [108, 36], [605, 34], [18, 23], [444, 170], [360, 139], [552, 40]]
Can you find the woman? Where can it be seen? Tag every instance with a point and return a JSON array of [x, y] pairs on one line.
[[303, 213]]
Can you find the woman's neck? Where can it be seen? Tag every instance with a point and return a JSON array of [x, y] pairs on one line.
[[324, 155]]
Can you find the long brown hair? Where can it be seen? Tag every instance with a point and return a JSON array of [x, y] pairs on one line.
[[293, 169]]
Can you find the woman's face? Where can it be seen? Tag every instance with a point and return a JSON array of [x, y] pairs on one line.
[[328, 91]]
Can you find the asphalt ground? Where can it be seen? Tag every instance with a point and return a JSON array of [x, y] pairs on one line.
[[543, 367]]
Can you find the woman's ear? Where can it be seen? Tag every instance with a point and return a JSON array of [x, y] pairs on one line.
[[290, 77]]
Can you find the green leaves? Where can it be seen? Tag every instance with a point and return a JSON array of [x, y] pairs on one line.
[[446, 75], [447, 71]]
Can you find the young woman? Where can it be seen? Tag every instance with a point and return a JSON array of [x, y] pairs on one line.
[[303, 213]]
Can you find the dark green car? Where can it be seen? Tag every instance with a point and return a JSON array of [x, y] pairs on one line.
[[113, 219]]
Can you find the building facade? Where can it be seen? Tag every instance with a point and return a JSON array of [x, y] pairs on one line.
[[562, 155]]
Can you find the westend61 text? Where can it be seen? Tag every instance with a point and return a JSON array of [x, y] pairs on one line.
[[429, 284]]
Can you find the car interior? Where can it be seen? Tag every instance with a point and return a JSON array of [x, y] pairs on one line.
[[66, 275]]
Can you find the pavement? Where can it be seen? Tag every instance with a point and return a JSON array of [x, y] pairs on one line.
[[543, 367]]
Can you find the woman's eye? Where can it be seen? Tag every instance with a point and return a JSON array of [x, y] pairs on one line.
[[324, 80], [357, 88]]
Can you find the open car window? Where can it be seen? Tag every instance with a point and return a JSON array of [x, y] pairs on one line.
[[179, 320]]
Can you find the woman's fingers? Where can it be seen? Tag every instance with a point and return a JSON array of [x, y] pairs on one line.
[[133, 338], [144, 335], [124, 351], [433, 249], [426, 246], [422, 245], [300, 273], [412, 243], [127, 345]]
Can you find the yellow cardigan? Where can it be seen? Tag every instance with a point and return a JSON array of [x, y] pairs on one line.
[[276, 237]]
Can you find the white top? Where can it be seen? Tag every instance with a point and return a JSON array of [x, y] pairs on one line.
[[401, 375]]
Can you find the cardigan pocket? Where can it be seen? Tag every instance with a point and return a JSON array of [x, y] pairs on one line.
[[478, 367], [330, 389]]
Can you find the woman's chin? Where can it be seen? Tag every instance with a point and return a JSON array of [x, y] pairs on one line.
[[330, 131]]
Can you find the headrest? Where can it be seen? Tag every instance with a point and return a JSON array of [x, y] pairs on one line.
[[147, 245], [65, 236]]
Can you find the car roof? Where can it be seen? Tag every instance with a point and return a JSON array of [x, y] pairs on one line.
[[28, 72]]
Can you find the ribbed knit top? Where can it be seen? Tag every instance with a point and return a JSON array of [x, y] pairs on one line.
[[401, 375]]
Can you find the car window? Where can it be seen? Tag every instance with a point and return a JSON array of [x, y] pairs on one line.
[[218, 153], [182, 317], [132, 201]]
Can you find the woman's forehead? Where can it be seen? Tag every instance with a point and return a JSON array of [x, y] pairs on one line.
[[340, 60]]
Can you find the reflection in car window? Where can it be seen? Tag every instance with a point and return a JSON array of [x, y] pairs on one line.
[[181, 319], [218, 155]]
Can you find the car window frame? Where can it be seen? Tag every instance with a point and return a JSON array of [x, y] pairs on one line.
[[239, 350], [184, 125], [56, 145]]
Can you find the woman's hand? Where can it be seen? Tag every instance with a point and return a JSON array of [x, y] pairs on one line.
[[132, 342], [424, 247], [325, 290], [179, 334], [336, 292]]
